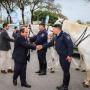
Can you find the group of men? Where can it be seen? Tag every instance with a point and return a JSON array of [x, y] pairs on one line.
[[22, 43]]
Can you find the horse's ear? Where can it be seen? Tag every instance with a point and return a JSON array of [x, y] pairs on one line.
[[63, 21]]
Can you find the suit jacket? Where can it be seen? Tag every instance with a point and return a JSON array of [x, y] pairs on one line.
[[21, 48], [5, 41]]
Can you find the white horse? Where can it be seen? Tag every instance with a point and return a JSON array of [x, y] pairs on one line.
[[53, 62], [76, 30]]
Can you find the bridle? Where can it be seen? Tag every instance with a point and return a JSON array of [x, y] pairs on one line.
[[81, 38]]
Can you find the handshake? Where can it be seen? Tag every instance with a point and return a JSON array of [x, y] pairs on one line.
[[39, 47]]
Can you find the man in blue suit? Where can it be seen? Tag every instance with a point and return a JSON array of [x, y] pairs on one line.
[[20, 56], [64, 47]]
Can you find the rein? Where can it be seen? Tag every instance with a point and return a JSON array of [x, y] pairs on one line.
[[80, 39]]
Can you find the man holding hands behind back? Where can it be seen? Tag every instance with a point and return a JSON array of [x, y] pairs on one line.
[[20, 52], [64, 47]]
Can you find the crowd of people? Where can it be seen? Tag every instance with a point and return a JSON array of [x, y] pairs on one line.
[[60, 41]]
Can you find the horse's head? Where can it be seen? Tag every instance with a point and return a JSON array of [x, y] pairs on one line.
[[59, 21]]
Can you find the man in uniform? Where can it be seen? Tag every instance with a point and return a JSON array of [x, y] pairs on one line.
[[16, 33], [64, 47], [20, 57], [40, 39]]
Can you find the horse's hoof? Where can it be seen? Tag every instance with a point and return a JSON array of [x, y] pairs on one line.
[[52, 71], [83, 71], [77, 69], [85, 85], [83, 82]]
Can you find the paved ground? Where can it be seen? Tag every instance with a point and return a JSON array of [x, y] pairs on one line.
[[48, 82]]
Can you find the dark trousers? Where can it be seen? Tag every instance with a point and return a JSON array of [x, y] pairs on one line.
[[20, 70], [65, 65], [42, 60]]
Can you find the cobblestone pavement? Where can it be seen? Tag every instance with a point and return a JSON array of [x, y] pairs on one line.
[[48, 82]]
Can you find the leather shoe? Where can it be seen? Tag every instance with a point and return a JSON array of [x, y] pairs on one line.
[[10, 71], [3, 71], [42, 73], [26, 85], [38, 71], [15, 82], [63, 88]]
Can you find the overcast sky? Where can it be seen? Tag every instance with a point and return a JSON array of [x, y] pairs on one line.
[[75, 9]]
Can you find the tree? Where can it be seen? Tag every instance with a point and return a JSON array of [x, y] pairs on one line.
[[43, 5], [79, 22], [52, 7], [88, 0], [9, 6], [40, 15], [88, 23], [34, 5], [21, 4]]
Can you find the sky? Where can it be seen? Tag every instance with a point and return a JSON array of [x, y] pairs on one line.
[[75, 9]]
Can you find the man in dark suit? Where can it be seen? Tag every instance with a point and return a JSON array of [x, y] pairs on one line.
[[20, 52], [5, 63], [64, 47]]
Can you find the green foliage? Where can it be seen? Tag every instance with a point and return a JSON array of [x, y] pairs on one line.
[[39, 15], [79, 22], [88, 23]]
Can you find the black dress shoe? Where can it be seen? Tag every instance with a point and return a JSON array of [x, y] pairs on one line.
[[38, 71], [10, 71], [42, 73], [15, 82], [26, 85], [3, 71], [62, 88]]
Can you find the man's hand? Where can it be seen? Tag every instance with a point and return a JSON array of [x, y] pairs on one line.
[[39, 47], [69, 58]]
